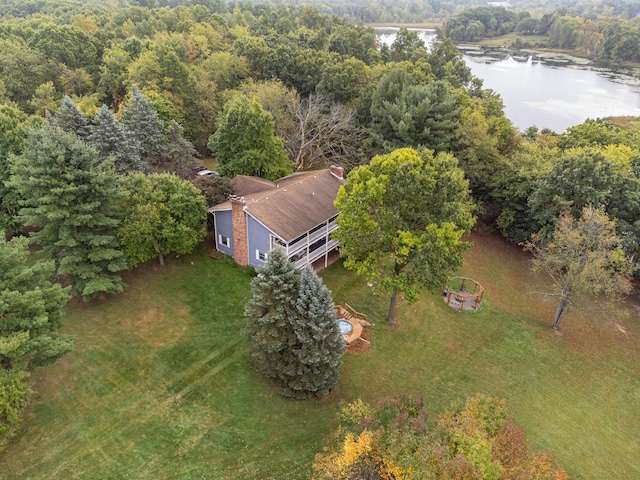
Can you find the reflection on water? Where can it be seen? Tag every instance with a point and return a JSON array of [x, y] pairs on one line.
[[387, 35], [548, 90], [554, 91]]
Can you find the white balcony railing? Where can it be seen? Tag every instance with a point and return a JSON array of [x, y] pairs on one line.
[[316, 254], [311, 238]]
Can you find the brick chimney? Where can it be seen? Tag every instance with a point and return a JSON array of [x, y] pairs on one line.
[[337, 171], [239, 226]]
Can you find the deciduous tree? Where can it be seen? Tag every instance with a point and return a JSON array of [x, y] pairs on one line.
[[583, 259], [592, 176], [327, 134], [401, 219], [214, 188], [394, 440], [161, 214], [244, 142], [276, 99]]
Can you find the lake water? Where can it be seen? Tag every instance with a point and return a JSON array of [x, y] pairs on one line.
[[547, 91]]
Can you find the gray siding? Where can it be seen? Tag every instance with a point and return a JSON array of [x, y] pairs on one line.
[[259, 240], [224, 227]]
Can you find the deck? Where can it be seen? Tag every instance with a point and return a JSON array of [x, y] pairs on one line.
[[357, 320]]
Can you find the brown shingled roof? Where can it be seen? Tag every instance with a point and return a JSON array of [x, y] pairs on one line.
[[245, 185], [298, 203]]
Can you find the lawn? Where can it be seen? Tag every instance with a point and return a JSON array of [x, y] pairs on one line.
[[160, 385]]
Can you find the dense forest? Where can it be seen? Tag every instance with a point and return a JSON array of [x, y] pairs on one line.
[[130, 95], [324, 90]]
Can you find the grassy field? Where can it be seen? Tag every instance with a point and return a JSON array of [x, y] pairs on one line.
[[160, 385], [509, 38], [628, 123]]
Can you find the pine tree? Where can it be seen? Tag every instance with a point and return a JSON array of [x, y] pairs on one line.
[[68, 194], [180, 152], [320, 345], [268, 313], [292, 329], [30, 309], [140, 118], [111, 139], [70, 119]]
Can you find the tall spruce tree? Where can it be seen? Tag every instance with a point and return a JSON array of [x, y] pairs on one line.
[[320, 345], [70, 119], [180, 152], [68, 194], [294, 338], [111, 139], [268, 313], [30, 309], [140, 118]]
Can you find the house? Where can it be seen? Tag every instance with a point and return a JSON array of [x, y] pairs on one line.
[[295, 213]]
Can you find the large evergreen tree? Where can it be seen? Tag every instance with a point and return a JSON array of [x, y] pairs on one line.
[[292, 329], [111, 139], [406, 111], [30, 309], [180, 152], [268, 313], [70, 119], [320, 345], [68, 194], [140, 118]]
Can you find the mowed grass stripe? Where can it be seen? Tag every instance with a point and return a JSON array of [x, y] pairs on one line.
[[576, 395], [129, 410], [209, 374], [188, 377]]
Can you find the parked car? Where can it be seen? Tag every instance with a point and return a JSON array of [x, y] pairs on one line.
[[207, 173]]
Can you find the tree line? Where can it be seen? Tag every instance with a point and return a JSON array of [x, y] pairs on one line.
[[607, 35]]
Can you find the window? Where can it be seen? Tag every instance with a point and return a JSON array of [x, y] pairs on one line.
[[262, 256], [222, 240]]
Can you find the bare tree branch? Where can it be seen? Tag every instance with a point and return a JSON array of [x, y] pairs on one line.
[[327, 133]]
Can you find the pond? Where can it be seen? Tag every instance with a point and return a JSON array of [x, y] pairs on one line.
[[548, 90]]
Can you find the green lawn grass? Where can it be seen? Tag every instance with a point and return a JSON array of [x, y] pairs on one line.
[[160, 385], [509, 38]]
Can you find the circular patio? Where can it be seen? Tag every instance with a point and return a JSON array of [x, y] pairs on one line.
[[463, 293]]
